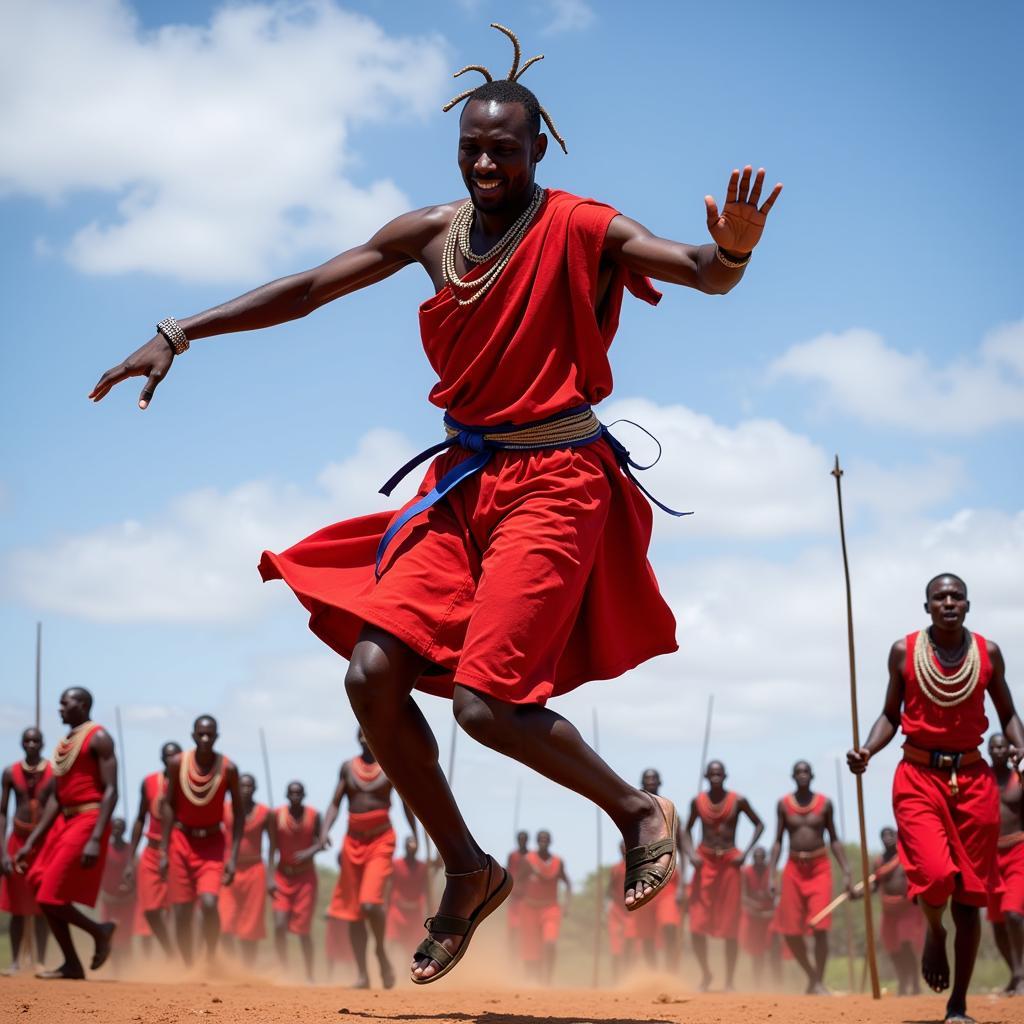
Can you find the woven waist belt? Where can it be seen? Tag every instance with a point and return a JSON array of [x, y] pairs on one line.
[[75, 809], [942, 761], [802, 856], [718, 853], [573, 428], [199, 832], [294, 870]]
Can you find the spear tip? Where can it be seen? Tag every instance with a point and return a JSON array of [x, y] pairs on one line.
[[836, 471]]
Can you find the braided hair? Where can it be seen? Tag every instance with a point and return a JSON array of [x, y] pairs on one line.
[[508, 89]]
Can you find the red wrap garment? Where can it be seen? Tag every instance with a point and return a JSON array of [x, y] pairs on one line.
[[117, 900], [531, 577], [196, 863], [295, 884], [540, 914], [806, 881], [755, 925], [241, 904], [947, 844], [16, 894], [57, 874], [151, 891], [715, 895], [365, 864], [517, 871], [407, 901]]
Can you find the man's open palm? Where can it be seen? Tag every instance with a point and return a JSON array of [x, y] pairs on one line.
[[738, 227]]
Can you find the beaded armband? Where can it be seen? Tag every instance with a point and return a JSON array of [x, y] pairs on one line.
[[728, 261], [173, 334]]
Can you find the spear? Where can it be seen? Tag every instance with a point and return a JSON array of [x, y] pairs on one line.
[[847, 918], [707, 740], [598, 888], [266, 767], [122, 760], [39, 667], [864, 866]]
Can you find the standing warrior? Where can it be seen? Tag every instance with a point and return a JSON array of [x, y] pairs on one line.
[[622, 931], [30, 782], [806, 817], [541, 913], [76, 827], [192, 847], [1006, 908], [520, 570], [365, 858], [516, 868], [758, 911], [296, 836], [242, 904], [152, 897], [716, 889], [903, 926], [117, 892], [944, 793], [407, 898]]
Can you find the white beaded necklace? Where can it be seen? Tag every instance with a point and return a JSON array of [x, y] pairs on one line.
[[197, 788], [69, 748], [947, 691], [503, 251]]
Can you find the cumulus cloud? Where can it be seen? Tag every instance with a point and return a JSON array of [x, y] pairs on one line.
[[569, 16], [866, 378], [226, 147]]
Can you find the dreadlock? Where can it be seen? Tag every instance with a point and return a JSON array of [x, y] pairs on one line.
[[508, 89]]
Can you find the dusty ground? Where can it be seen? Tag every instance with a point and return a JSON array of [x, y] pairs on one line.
[[233, 1002]]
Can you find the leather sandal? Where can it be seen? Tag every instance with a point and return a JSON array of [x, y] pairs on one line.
[[642, 861], [446, 924]]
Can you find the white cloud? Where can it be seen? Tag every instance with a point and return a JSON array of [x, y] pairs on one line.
[[864, 377], [226, 146], [569, 16]]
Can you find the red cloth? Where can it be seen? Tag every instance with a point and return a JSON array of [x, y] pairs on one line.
[[407, 902], [241, 904], [755, 929], [57, 874], [621, 923], [715, 895], [1011, 879], [117, 902], [806, 891], [295, 893], [658, 913], [538, 926], [933, 727], [151, 887], [338, 942], [531, 577], [210, 813], [902, 922], [195, 866], [947, 844], [81, 783], [541, 888], [16, 894], [365, 863], [516, 868], [154, 788], [250, 849]]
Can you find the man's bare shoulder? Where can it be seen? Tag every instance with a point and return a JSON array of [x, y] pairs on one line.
[[418, 228], [899, 648], [993, 649]]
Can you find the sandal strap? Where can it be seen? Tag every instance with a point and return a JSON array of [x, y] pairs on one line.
[[652, 877], [435, 951], [650, 853], [447, 924]]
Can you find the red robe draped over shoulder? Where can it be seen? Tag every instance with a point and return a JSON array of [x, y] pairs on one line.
[[531, 577]]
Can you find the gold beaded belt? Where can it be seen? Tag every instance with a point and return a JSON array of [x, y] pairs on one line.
[[942, 761], [74, 809], [202, 832], [806, 855]]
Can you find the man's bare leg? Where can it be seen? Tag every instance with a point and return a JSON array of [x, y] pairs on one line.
[[700, 951], [373, 914], [17, 934], [934, 961], [732, 952], [306, 945], [211, 923], [548, 962], [967, 922], [157, 921], [1002, 939], [1015, 933], [379, 683], [42, 930], [358, 936], [820, 961], [798, 947], [183, 914]]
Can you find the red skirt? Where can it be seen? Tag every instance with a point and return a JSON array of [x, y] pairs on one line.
[[241, 904], [1011, 878], [525, 581], [57, 874], [16, 893], [756, 933], [538, 927], [902, 922], [295, 896], [366, 865], [806, 891], [716, 896]]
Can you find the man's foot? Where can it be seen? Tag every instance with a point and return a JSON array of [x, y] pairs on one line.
[[11, 970], [934, 962], [817, 988], [956, 1013], [361, 982], [705, 983], [63, 973], [1018, 988], [104, 944], [468, 898], [387, 972], [654, 827]]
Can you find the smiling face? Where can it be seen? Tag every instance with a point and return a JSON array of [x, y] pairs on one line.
[[498, 155], [947, 602]]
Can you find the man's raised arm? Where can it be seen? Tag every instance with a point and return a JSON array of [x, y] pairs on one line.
[[715, 268], [396, 245]]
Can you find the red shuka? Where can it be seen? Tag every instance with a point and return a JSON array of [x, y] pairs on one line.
[[154, 787], [16, 895], [407, 902], [531, 577], [250, 849]]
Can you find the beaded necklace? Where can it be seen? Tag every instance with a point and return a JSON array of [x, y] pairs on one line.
[[502, 252], [366, 773], [69, 748], [946, 691], [197, 787], [714, 813], [25, 766], [813, 806]]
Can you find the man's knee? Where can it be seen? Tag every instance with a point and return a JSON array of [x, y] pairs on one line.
[[482, 717], [372, 681], [371, 911], [208, 903]]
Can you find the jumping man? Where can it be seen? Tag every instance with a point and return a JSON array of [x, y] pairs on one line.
[[520, 569]]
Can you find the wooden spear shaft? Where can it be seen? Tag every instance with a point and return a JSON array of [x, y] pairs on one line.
[[39, 668], [869, 927], [122, 760], [706, 744], [598, 887], [266, 767], [847, 913]]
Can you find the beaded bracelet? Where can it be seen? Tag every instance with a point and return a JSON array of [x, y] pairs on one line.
[[731, 263], [173, 333]]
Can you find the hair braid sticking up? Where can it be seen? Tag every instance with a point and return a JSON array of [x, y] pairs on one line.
[[515, 73]]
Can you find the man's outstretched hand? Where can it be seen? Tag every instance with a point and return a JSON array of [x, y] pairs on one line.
[[739, 226], [152, 361]]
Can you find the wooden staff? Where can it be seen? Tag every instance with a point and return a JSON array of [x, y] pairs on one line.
[[39, 668], [839, 901], [266, 767], [598, 887], [707, 741], [869, 927], [122, 760], [847, 917]]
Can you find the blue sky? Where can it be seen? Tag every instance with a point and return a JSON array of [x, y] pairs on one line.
[[166, 164]]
